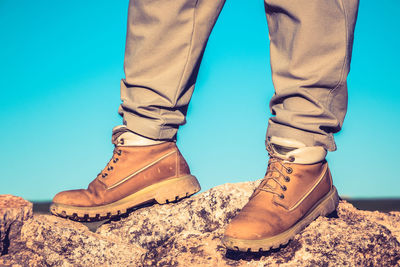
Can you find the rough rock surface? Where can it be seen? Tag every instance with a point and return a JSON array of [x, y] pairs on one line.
[[13, 211], [188, 233]]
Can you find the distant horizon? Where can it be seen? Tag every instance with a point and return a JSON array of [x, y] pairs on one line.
[[342, 197], [370, 204]]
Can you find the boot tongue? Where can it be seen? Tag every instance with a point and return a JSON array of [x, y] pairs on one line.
[[117, 132], [293, 151], [273, 173], [268, 182], [282, 150], [279, 149], [122, 136], [283, 146]]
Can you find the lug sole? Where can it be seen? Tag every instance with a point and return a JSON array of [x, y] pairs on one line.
[[163, 192], [324, 207]]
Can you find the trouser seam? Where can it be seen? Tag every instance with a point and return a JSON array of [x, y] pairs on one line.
[[184, 68], [340, 82], [330, 95], [189, 51]]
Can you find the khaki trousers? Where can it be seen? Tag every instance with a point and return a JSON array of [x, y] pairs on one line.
[[310, 51]]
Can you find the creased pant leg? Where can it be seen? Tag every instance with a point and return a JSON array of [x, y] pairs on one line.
[[310, 46], [164, 46]]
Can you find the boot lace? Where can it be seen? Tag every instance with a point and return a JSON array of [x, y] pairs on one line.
[[272, 169], [114, 159]]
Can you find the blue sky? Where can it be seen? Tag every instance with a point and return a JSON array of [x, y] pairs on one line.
[[61, 64]]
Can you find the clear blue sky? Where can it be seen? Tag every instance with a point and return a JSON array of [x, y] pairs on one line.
[[61, 63]]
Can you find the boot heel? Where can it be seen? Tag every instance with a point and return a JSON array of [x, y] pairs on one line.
[[331, 203], [176, 189]]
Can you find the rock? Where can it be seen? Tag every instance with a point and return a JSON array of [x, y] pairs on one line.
[[13, 211], [188, 233], [58, 242]]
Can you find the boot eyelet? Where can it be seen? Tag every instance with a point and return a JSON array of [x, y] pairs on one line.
[[291, 158], [115, 160], [119, 152], [282, 196], [284, 188], [287, 179], [122, 141], [289, 170]]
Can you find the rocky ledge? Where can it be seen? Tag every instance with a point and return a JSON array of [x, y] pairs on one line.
[[188, 233]]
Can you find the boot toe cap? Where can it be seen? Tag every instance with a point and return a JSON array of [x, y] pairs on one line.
[[246, 230], [72, 198]]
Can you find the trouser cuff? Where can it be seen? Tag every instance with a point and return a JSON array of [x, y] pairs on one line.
[[308, 138], [150, 128]]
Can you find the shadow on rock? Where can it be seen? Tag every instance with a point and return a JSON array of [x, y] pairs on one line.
[[94, 225], [285, 253]]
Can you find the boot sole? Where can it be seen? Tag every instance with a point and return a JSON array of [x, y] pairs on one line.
[[324, 207], [163, 192]]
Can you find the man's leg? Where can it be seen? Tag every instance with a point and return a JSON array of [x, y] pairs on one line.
[[311, 45], [311, 42], [164, 46]]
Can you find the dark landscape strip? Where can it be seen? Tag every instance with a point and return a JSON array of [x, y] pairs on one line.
[[379, 204]]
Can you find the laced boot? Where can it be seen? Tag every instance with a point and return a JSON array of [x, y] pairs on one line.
[[296, 189], [135, 175]]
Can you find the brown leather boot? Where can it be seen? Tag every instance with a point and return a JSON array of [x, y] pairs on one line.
[[135, 175], [289, 198]]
